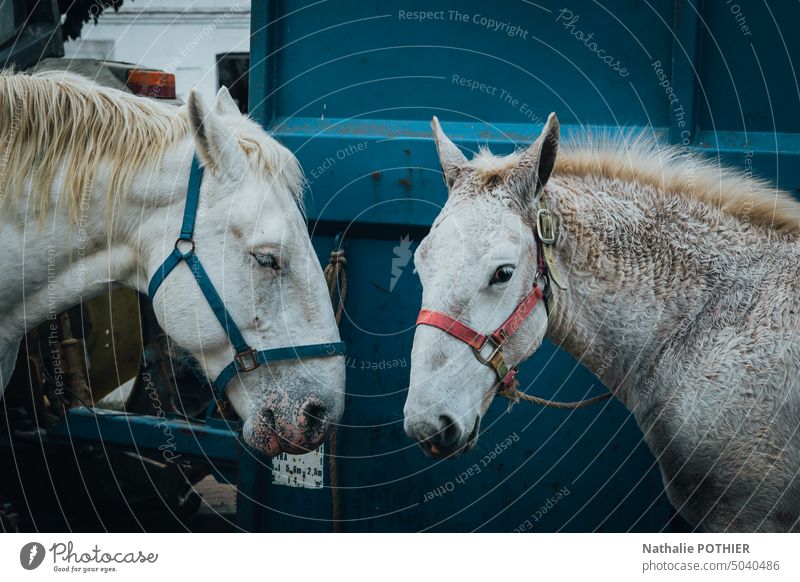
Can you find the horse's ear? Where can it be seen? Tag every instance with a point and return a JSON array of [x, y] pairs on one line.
[[225, 104], [529, 177], [216, 144], [450, 157]]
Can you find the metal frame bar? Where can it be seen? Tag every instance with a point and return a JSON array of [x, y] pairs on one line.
[[685, 70], [213, 443], [263, 42]]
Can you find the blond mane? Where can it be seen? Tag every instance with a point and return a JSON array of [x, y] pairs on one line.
[[54, 119], [640, 158]]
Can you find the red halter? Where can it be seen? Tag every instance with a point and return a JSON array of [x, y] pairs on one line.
[[478, 341]]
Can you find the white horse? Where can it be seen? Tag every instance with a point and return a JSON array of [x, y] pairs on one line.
[[93, 183], [679, 291]]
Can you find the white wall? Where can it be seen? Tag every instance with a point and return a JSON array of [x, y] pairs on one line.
[[179, 36]]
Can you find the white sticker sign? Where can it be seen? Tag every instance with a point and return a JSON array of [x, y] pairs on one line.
[[299, 470]]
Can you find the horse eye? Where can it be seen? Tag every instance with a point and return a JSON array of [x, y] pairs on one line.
[[268, 260], [502, 274]]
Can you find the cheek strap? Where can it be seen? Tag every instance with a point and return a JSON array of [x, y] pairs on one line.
[[487, 348], [246, 358]]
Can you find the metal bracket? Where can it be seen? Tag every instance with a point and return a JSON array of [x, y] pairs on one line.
[[545, 227]]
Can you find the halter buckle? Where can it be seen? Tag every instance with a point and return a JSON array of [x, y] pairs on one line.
[[545, 228], [495, 360], [242, 357], [496, 347]]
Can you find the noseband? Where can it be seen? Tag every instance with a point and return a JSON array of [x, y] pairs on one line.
[[488, 348], [246, 358]]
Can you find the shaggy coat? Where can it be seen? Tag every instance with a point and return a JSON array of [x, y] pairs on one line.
[[681, 297]]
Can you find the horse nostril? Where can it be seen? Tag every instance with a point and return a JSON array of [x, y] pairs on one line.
[[259, 430], [449, 433], [268, 417], [314, 419]]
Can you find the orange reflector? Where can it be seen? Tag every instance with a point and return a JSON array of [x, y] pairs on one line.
[[156, 84]]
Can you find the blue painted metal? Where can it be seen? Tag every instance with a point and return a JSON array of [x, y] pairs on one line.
[[213, 443], [684, 79], [351, 87]]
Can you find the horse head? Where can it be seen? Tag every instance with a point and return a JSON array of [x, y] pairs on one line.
[[481, 279], [251, 247]]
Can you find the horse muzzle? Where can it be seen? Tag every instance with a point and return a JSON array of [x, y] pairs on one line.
[[444, 437], [285, 426]]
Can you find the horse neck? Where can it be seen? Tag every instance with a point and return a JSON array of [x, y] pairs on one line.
[[61, 260], [158, 214], [639, 267]]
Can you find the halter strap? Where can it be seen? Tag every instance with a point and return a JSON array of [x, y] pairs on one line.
[[452, 326], [192, 200], [478, 341], [519, 315], [246, 358]]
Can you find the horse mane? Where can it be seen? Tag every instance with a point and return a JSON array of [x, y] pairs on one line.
[[640, 158], [55, 118]]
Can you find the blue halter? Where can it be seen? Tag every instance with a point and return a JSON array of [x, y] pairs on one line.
[[247, 358]]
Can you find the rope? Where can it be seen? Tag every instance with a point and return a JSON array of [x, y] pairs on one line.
[[333, 471], [513, 394], [336, 278]]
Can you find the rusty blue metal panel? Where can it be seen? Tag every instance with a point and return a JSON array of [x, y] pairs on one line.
[[352, 88]]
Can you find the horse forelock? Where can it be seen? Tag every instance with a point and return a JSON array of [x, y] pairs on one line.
[[57, 119]]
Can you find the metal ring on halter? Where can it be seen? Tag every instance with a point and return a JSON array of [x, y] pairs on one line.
[[184, 240]]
